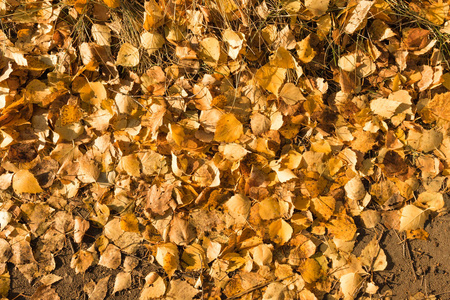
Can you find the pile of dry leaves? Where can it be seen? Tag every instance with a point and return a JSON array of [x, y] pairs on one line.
[[241, 143]]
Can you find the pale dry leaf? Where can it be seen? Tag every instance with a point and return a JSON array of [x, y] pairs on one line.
[[233, 152], [348, 62], [210, 50], [101, 34], [122, 282], [262, 254], [235, 41], [358, 16], [275, 291], [354, 189], [80, 227], [154, 287], [100, 289], [152, 41], [238, 206], [131, 165], [81, 261], [111, 257], [45, 292], [291, 94], [412, 217], [432, 200], [370, 218], [181, 290], [49, 279], [128, 56], [426, 140], [373, 257], [317, 7], [350, 285], [181, 231], [259, 123], [269, 209]]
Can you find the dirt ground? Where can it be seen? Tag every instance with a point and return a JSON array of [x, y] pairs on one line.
[[417, 265], [413, 266]]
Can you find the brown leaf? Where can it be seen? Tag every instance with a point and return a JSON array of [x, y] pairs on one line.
[[45, 292]]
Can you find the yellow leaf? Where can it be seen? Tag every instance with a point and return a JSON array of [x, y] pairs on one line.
[[154, 15], [129, 223], [291, 94], [269, 209], [311, 270], [70, 114], [271, 78], [343, 228], [112, 3], [25, 182], [194, 258], [323, 207], [130, 164], [280, 231], [152, 41], [167, 257], [5, 283], [282, 59], [304, 50], [210, 50], [420, 234], [228, 129], [128, 56]]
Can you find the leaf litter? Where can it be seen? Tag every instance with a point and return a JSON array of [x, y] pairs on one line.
[[244, 149]]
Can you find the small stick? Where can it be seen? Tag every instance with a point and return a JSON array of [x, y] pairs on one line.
[[410, 259]]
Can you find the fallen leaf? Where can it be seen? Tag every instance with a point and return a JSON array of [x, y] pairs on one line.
[[412, 218], [128, 56], [228, 129], [25, 182], [280, 231], [122, 282]]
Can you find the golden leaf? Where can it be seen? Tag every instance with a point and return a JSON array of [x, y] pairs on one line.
[[343, 228], [128, 56], [280, 231], [129, 222], [304, 50], [271, 78], [70, 114], [112, 3], [228, 129], [25, 182]]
